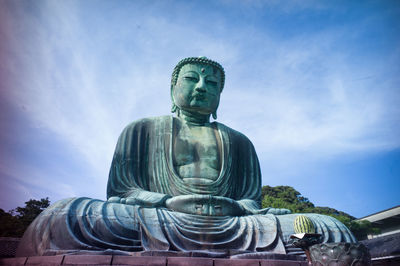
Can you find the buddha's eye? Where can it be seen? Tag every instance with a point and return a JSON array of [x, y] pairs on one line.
[[191, 78], [212, 83]]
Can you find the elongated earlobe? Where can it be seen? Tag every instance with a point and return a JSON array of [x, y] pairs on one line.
[[214, 115], [173, 109]]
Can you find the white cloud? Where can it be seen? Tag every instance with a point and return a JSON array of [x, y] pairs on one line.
[[306, 99]]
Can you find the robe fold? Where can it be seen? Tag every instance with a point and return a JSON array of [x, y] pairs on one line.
[[142, 170]]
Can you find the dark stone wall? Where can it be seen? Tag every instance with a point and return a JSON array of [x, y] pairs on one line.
[[8, 246]]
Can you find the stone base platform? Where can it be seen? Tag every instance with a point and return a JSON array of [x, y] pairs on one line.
[[145, 261]]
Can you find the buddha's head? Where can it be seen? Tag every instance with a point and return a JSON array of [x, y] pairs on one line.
[[196, 85]]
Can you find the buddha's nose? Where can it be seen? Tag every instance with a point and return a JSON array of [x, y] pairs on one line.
[[200, 86]]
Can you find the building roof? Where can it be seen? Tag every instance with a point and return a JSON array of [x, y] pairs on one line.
[[385, 214]]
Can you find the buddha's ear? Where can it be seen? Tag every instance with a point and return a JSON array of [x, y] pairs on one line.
[[173, 108], [214, 115]]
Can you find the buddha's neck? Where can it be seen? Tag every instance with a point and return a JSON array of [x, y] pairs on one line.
[[194, 118]]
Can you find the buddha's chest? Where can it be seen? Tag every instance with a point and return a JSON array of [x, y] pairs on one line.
[[196, 153]]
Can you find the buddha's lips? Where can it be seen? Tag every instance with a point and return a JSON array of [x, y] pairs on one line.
[[199, 96]]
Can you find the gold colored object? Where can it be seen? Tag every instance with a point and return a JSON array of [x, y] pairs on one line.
[[303, 225]]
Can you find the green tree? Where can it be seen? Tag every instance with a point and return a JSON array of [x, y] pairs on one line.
[[15, 222], [285, 197], [362, 228], [289, 198], [9, 224], [32, 209]]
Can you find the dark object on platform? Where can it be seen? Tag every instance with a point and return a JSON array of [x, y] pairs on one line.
[[340, 254], [304, 241], [8, 246]]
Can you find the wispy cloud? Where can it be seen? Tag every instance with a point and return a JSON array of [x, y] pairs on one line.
[[309, 100]]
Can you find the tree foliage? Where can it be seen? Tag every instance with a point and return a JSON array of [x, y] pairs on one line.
[[289, 198], [15, 222]]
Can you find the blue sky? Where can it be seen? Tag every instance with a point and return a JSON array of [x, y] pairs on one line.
[[315, 85]]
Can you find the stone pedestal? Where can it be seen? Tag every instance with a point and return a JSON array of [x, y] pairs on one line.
[[145, 261]]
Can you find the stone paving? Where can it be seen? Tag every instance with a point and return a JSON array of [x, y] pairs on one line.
[[143, 261]]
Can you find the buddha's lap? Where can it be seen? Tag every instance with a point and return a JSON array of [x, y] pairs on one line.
[[102, 216], [88, 224]]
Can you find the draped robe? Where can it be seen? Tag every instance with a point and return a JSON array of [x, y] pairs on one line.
[[142, 169]]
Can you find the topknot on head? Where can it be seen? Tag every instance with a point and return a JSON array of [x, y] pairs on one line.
[[197, 60]]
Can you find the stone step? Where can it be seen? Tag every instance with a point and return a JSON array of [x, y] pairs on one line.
[[136, 260]]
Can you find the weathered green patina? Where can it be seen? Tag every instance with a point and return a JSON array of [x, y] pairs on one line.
[[178, 183]]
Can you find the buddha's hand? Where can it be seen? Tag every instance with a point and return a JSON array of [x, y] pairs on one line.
[[129, 201], [114, 200], [275, 211], [205, 205], [150, 202]]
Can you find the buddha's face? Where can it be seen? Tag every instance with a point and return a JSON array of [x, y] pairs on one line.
[[197, 89]]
